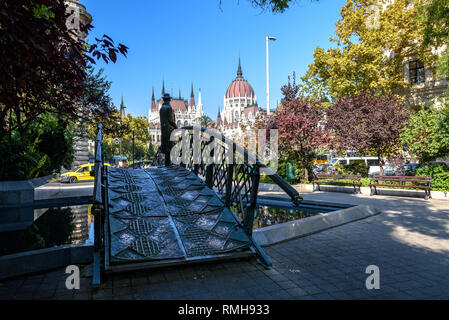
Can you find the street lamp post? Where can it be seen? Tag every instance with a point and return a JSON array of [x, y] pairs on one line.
[[133, 150], [268, 76]]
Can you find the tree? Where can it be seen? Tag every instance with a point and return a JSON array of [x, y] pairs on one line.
[[299, 123], [47, 145], [368, 124], [43, 68], [427, 133], [373, 38], [46, 85], [99, 102], [420, 135], [276, 6], [435, 17], [138, 125]]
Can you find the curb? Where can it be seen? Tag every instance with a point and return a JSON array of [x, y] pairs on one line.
[[268, 236]]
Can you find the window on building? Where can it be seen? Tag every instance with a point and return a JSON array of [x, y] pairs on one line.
[[416, 72]]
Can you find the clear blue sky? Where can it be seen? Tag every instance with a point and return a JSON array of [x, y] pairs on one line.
[[185, 41]]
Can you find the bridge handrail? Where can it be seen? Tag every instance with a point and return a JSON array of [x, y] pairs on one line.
[[294, 195], [98, 207], [230, 179], [98, 165]]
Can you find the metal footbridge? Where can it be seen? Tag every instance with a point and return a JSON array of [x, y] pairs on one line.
[[178, 214]]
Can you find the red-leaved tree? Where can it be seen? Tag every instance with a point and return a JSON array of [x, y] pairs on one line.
[[299, 121], [368, 124]]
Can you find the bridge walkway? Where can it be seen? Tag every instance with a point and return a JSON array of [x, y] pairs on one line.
[[167, 215]]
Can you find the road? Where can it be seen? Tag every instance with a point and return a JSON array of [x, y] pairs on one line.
[[54, 190]]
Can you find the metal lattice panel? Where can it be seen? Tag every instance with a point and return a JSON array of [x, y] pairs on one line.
[[201, 224], [145, 247], [137, 209], [133, 197], [126, 188], [140, 226]]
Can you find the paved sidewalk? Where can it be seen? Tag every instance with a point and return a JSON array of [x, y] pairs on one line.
[[56, 190], [408, 241]]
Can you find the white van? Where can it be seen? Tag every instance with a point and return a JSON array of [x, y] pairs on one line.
[[371, 162]]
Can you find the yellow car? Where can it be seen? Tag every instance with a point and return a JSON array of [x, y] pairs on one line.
[[81, 173]]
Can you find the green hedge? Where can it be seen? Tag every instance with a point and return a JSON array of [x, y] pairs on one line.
[[356, 167], [439, 174]]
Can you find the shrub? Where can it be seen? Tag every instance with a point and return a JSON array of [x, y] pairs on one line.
[[439, 174], [356, 167], [48, 145]]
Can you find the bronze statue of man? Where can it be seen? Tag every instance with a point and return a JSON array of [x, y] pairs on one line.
[[168, 124]]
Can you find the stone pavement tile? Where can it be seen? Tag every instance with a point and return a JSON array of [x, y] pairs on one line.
[[278, 277], [280, 295], [102, 294], [312, 290], [341, 295], [23, 296], [47, 291], [287, 284], [6, 295], [402, 295], [156, 277], [68, 296], [358, 294], [119, 283], [306, 298], [262, 295], [124, 297], [252, 291], [139, 280], [296, 292], [270, 287], [121, 291], [27, 288], [82, 295], [329, 288], [172, 274], [323, 296], [107, 283]]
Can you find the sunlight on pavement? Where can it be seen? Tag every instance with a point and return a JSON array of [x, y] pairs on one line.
[[420, 240]]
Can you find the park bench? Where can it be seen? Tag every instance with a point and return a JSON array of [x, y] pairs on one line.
[[423, 183], [323, 178]]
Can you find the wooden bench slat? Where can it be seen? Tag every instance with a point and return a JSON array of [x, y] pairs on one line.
[[399, 186], [323, 179], [379, 181]]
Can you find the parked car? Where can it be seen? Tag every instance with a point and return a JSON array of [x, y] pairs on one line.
[[319, 168], [81, 173], [408, 169], [390, 170]]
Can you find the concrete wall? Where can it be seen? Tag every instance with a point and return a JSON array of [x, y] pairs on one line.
[[45, 259], [299, 228]]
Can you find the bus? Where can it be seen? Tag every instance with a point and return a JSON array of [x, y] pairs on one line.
[[371, 162]]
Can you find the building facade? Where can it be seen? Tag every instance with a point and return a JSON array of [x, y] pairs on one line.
[[240, 108], [425, 88], [187, 113], [78, 15]]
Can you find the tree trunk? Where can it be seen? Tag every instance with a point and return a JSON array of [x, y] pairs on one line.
[[306, 174], [381, 164]]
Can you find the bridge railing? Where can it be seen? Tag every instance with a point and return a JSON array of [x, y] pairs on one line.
[[234, 172], [98, 207]]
